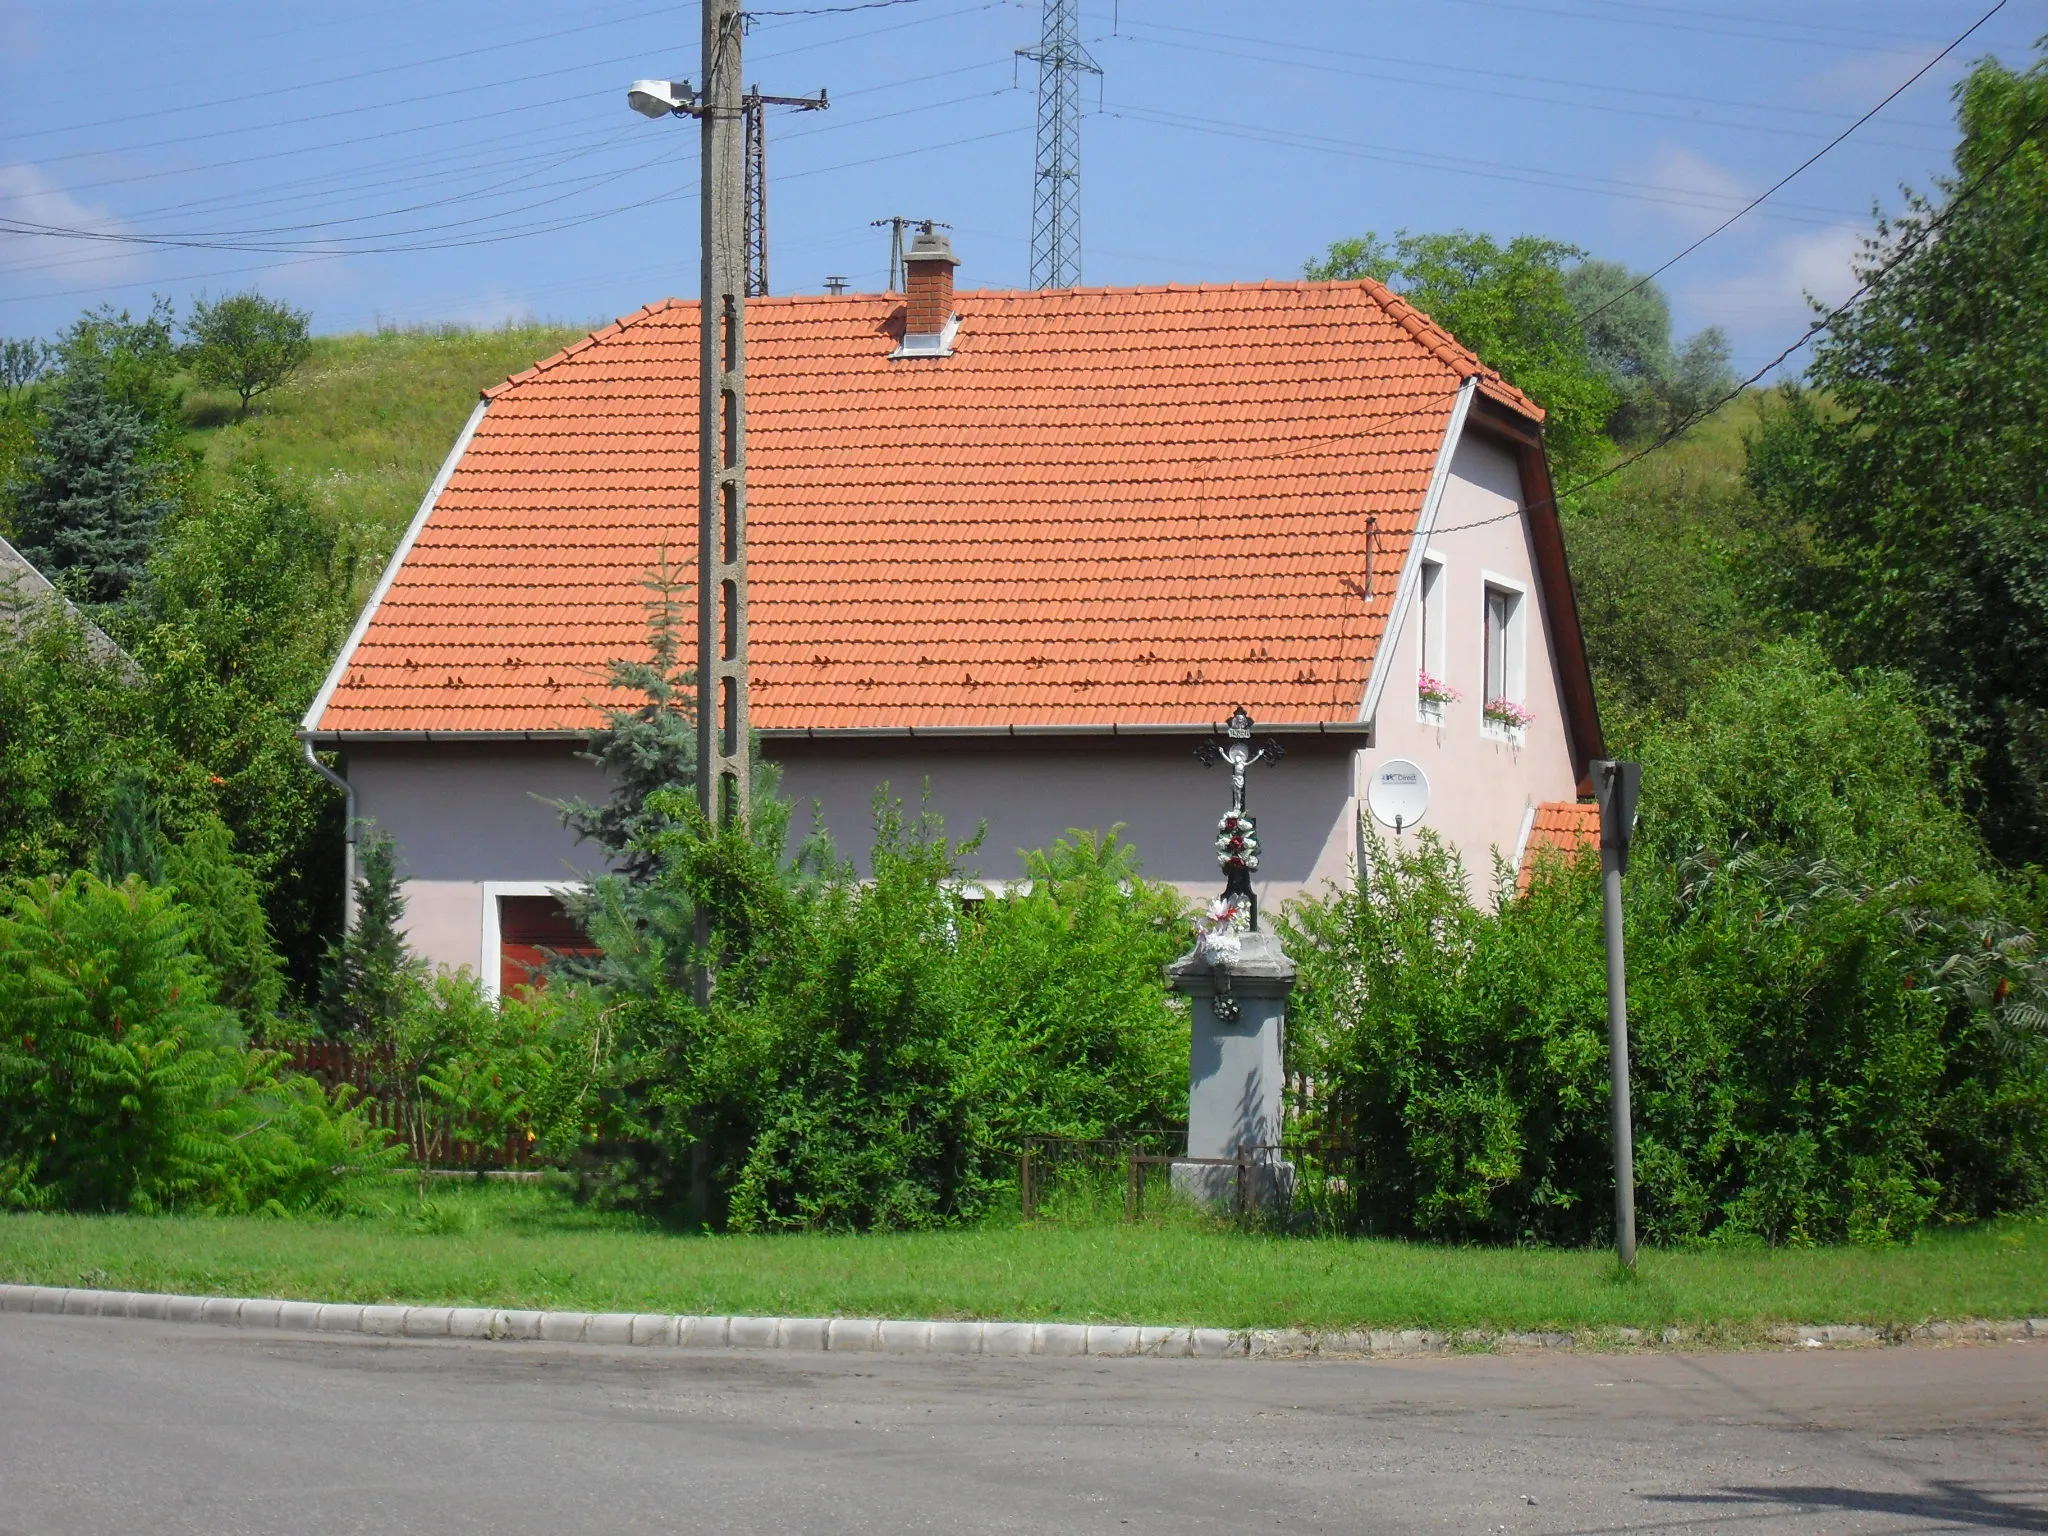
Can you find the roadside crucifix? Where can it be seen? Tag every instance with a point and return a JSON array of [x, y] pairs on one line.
[[1237, 981], [1237, 832]]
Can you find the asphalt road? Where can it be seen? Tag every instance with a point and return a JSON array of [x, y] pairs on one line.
[[133, 1427]]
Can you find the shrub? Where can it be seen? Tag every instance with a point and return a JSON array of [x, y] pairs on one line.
[[1836, 1026], [873, 1049], [124, 1084]]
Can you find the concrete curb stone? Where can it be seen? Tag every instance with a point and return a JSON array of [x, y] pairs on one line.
[[853, 1334], [953, 1339], [917, 1336], [653, 1328], [427, 1322], [1059, 1339], [383, 1322]]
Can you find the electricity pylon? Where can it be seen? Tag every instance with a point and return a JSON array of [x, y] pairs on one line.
[[753, 106], [1056, 187]]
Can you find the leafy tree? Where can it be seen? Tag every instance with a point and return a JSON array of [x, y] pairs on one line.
[[1837, 1023], [247, 599], [1914, 465], [23, 362], [1663, 559], [247, 343], [1510, 305], [372, 973], [138, 361], [1626, 322], [71, 726], [88, 499]]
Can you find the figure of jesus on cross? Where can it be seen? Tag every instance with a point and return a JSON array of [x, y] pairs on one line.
[[1237, 834]]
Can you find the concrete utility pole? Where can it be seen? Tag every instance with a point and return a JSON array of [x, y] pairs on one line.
[[897, 223], [1616, 786], [755, 106], [724, 752]]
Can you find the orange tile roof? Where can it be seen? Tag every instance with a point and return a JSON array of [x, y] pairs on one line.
[[1129, 506], [1566, 827]]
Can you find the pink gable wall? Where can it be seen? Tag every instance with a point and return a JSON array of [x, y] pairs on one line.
[[1482, 788]]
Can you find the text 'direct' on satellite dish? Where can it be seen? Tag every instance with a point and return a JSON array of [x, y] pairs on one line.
[[1398, 795]]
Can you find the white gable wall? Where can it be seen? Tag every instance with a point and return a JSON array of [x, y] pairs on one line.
[[1482, 787]]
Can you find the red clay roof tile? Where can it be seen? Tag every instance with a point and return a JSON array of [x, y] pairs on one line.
[[1566, 828], [1109, 505]]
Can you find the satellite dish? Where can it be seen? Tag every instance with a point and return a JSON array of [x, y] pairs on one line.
[[1398, 795]]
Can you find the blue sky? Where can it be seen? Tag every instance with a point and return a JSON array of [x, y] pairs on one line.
[[474, 160]]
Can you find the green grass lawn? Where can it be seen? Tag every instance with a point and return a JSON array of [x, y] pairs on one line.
[[367, 422], [530, 1247]]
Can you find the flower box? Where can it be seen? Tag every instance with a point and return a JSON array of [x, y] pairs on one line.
[[1507, 712], [1434, 691]]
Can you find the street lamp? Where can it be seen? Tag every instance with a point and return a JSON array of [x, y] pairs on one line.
[[661, 98]]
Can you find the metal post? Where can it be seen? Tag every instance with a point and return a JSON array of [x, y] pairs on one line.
[[1616, 784], [754, 107], [724, 766]]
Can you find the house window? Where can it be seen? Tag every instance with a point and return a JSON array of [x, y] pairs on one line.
[[1432, 692], [1503, 671]]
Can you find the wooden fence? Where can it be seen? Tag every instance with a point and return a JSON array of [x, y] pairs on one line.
[[436, 1138]]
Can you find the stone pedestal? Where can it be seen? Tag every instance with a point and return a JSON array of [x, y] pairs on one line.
[[1235, 1073]]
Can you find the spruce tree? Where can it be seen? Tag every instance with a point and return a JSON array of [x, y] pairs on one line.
[[648, 745], [88, 499], [229, 928], [372, 972], [131, 843]]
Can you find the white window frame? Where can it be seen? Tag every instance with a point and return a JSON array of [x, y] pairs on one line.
[[1432, 630], [490, 960], [1515, 665]]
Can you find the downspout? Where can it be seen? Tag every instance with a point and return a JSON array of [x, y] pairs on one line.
[[348, 854]]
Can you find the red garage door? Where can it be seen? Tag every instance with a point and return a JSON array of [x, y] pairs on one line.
[[530, 928]]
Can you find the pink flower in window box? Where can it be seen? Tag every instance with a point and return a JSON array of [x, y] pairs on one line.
[[1508, 713], [1434, 690]]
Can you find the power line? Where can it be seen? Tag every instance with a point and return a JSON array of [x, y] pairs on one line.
[[553, 73], [249, 241], [1921, 233], [1782, 181], [1634, 15], [299, 86], [680, 193], [1397, 77], [1487, 170]]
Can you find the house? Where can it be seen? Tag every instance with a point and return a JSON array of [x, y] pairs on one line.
[[1014, 551], [26, 593]]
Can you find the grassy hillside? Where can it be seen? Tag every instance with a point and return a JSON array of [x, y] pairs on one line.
[[368, 421]]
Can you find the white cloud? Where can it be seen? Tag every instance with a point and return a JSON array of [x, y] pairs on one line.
[[29, 195], [1694, 193], [1861, 80], [1765, 306]]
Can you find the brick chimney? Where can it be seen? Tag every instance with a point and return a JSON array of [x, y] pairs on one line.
[[928, 313]]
